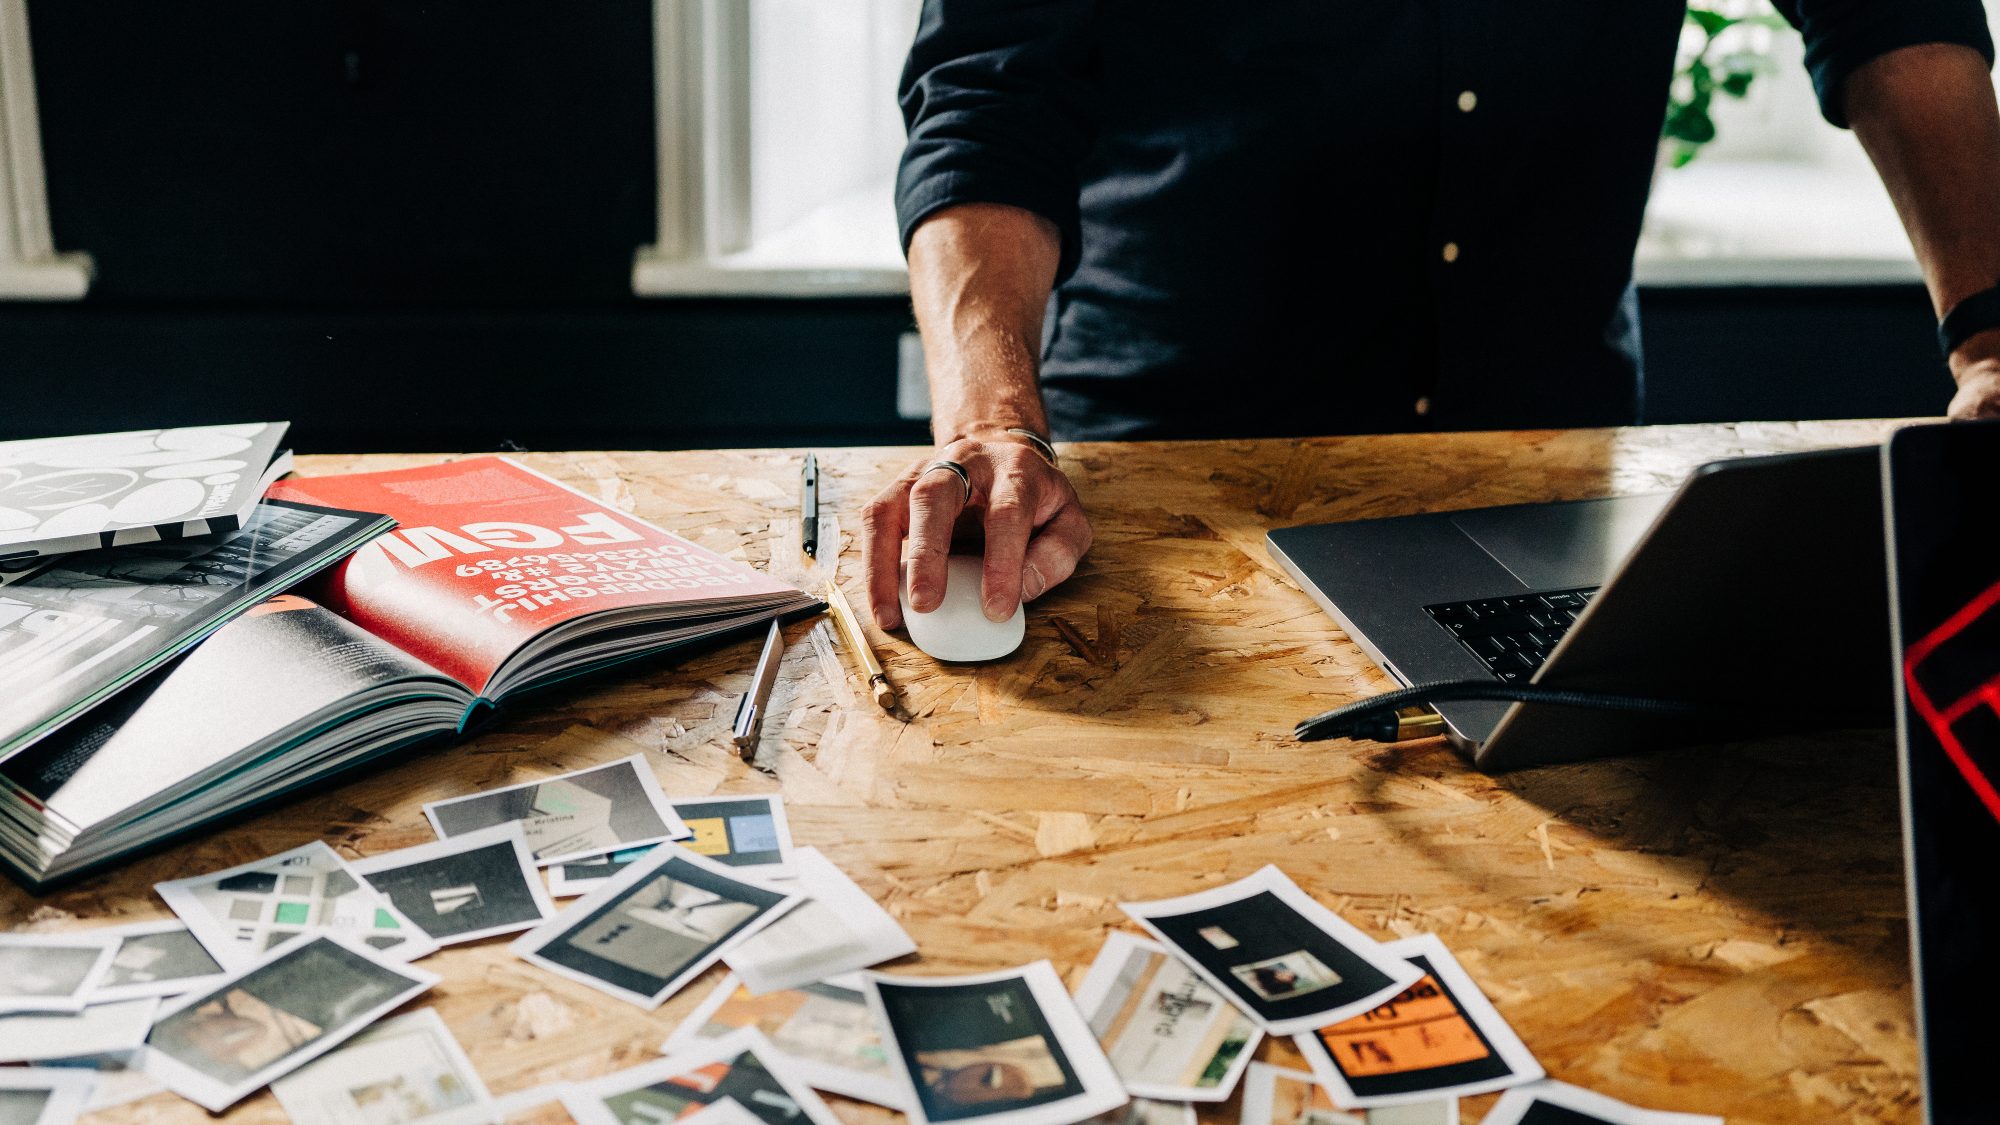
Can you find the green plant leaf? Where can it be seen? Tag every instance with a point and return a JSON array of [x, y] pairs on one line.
[[1713, 23]]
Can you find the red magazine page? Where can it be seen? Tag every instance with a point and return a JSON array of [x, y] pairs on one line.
[[487, 554]]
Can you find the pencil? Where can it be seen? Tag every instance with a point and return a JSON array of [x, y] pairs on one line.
[[857, 643]]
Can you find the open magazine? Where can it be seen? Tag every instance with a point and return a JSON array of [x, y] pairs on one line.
[[496, 581], [78, 628]]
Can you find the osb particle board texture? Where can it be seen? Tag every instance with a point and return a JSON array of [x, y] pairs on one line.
[[1717, 930]]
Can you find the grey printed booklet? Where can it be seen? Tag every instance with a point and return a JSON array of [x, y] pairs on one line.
[[66, 494], [496, 580]]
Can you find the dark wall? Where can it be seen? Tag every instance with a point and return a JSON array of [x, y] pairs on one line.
[[410, 226]]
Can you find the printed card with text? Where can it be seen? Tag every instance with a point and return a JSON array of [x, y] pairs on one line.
[[1171, 1037], [1438, 1038]]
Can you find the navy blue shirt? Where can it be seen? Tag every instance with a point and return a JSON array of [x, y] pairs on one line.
[[1298, 216]]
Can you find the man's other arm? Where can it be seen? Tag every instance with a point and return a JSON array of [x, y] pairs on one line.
[[1911, 78]]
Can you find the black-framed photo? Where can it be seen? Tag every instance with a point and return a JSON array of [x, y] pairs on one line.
[[1007, 1047], [1290, 963], [654, 927]]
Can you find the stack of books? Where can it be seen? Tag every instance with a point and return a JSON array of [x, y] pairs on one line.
[[224, 640]]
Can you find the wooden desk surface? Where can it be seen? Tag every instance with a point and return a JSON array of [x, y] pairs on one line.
[[1717, 931]]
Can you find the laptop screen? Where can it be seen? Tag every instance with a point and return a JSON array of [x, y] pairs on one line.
[[1945, 545]]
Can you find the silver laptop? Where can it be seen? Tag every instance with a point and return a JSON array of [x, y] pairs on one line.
[[1758, 586]]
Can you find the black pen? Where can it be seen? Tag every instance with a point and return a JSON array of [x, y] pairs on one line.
[[809, 506]]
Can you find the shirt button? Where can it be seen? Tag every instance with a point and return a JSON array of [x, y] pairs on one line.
[[1422, 406], [1467, 101], [1450, 252]]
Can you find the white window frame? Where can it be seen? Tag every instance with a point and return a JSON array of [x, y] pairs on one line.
[[30, 268], [701, 83]]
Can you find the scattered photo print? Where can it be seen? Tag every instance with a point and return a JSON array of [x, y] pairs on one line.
[[656, 926], [473, 886], [295, 1004], [244, 912], [407, 1070], [51, 972], [743, 832], [1440, 1037], [43, 1095], [1276, 1096], [837, 929], [1008, 1046], [155, 959], [742, 1067], [824, 1030], [100, 1029], [1558, 1103], [1169, 1035], [573, 816], [1289, 962]]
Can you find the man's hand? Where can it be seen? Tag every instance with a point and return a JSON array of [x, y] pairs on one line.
[[1976, 367], [1032, 523]]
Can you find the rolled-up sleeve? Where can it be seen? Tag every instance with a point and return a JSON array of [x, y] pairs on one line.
[[997, 98], [1842, 35]]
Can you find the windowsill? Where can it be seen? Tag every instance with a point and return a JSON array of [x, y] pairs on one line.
[[65, 277], [1771, 222], [844, 248], [1713, 223]]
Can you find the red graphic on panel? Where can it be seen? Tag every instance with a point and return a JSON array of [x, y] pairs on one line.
[[1953, 675]]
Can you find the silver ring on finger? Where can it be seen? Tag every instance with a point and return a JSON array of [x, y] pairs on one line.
[[964, 477]]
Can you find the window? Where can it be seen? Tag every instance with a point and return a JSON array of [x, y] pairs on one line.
[[29, 266], [778, 142], [1780, 196]]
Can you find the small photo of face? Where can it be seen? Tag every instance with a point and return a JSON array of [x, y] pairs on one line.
[[1285, 976]]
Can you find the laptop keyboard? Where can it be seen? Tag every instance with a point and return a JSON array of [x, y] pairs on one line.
[[1513, 635]]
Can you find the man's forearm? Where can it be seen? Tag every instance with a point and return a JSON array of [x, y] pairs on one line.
[[980, 276], [1926, 116]]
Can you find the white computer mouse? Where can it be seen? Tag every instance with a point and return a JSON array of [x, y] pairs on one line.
[[958, 629]]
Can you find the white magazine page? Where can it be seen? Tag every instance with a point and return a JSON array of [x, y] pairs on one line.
[[838, 928], [478, 885], [411, 1062], [1170, 1036], [1002, 1048], [573, 815], [1513, 1107], [825, 1030], [155, 959], [100, 1029], [1289, 962], [51, 972], [645, 1093], [1438, 1038], [291, 1006], [239, 913], [654, 927], [1274, 1095], [46, 1095]]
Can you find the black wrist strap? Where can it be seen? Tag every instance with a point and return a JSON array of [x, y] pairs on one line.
[[1977, 313]]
